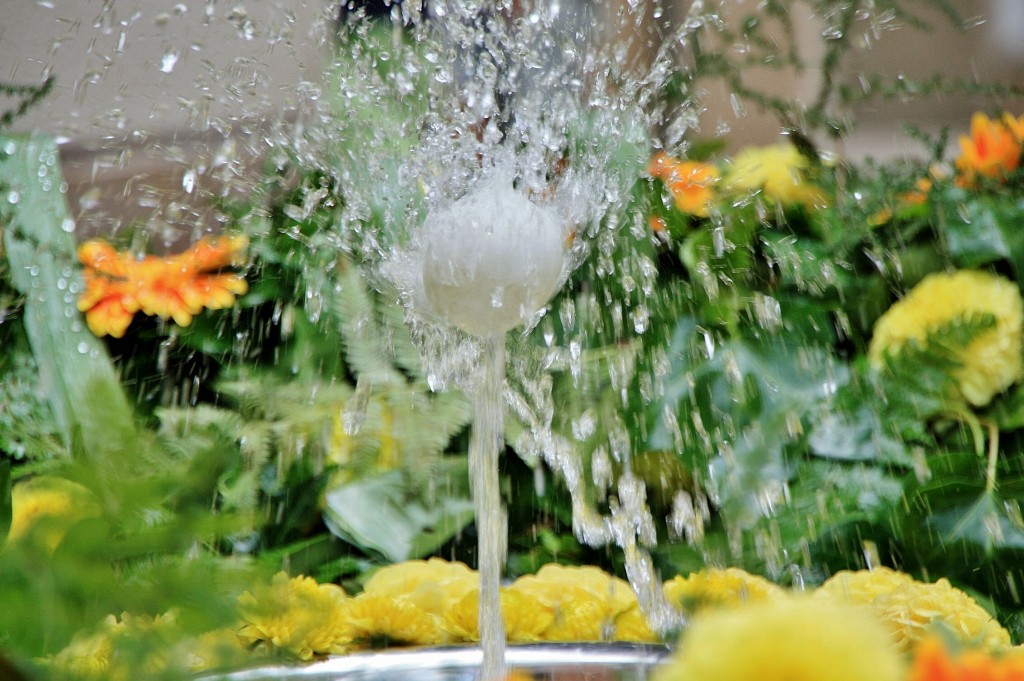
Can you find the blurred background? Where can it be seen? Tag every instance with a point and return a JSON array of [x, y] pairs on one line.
[[159, 106]]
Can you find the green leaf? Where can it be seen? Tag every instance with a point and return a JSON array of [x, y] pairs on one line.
[[988, 524], [856, 436], [6, 507], [78, 377], [1008, 412], [984, 230], [378, 514]]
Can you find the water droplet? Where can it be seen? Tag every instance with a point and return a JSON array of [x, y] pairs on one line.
[[13, 196], [169, 60], [83, 348]]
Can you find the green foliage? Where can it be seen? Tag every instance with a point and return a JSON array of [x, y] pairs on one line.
[[25, 96]]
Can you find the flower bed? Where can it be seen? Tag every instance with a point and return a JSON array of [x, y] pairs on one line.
[[787, 384]]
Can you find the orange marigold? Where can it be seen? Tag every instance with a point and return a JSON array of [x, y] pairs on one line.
[[992, 149], [176, 287], [691, 183], [933, 662]]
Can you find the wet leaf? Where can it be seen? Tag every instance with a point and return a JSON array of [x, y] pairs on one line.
[[6, 508], [379, 514], [856, 436], [984, 230], [988, 524]]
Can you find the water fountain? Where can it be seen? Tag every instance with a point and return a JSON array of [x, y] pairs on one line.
[[475, 168]]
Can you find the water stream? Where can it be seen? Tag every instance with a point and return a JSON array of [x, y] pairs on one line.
[[488, 442]]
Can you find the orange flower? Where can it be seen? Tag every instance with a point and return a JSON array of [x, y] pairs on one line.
[[992, 149], [691, 183], [177, 287], [932, 662]]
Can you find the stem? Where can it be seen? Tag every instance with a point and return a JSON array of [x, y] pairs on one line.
[[486, 445], [993, 455]]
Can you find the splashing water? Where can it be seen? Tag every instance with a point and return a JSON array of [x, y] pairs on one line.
[[505, 143]]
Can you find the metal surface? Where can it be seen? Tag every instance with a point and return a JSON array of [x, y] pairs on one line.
[[547, 662]]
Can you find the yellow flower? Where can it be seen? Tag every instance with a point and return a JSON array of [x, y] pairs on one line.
[[177, 287], [432, 585], [691, 183], [296, 615], [525, 618], [911, 609], [632, 626], [89, 654], [713, 587], [47, 507], [787, 639], [779, 171], [992, 361], [126, 649], [376, 620], [217, 648], [583, 601], [992, 149]]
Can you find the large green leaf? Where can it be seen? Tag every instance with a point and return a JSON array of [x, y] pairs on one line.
[[378, 513], [988, 524], [74, 368], [983, 230]]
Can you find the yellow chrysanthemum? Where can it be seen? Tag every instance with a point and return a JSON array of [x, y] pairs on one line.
[[910, 609], [580, 618], [714, 587], [376, 620], [432, 585], [525, 618], [217, 648], [992, 361], [296, 615], [46, 507], [554, 583], [584, 601], [778, 171], [88, 655], [632, 626], [126, 649], [787, 639]]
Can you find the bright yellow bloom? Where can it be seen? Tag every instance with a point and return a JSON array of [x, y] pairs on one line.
[[583, 601], [176, 287], [432, 585], [525, 618], [992, 149], [632, 626], [786, 639], [47, 507], [910, 609], [89, 654], [130, 648], [778, 171], [691, 183], [296, 615], [992, 361], [714, 587], [376, 620]]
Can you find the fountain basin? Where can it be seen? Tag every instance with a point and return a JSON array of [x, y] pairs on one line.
[[549, 661]]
